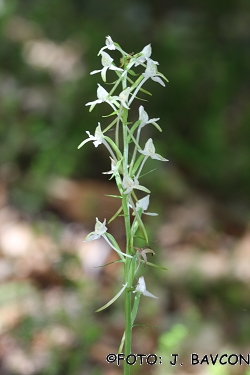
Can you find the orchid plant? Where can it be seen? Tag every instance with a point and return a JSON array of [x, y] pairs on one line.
[[128, 158]]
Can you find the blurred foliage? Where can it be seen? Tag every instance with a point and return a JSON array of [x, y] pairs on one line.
[[47, 50]]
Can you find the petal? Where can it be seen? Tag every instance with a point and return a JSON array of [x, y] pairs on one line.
[[143, 203], [106, 59], [83, 142], [148, 294], [158, 157], [159, 80], [113, 67], [150, 213], [102, 94], [100, 228], [146, 52], [94, 102], [95, 71], [141, 286], [91, 237], [103, 73], [109, 43]]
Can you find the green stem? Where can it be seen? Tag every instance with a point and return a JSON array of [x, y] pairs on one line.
[[129, 281], [128, 329]]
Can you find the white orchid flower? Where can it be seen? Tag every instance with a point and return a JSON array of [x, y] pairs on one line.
[[129, 184], [152, 72], [141, 288], [143, 204], [115, 167], [103, 96], [143, 117], [109, 44], [100, 231], [107, 63], [97, 139], [123, 97], [149, 151], [144, 55]]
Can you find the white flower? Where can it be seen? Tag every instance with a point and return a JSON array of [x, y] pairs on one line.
[[149, 151], [143, 117], [109, 44], [102, 96], [151, 72], [129, 184], [115, 166], [144, 55], [141, 288], [100, 231], [107, 64], [97, 139], [123, 97], [143, 205]]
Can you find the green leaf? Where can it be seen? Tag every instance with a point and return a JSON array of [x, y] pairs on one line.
[[111, 114], [145, 92], [132, 73], [143, 188], [137, 163], [156, 266], [113, 299], [115, 215], [107, 264], [136, 124], [113, 145], [134, 140]]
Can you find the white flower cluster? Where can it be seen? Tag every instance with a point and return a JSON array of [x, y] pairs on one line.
[[128, 159]]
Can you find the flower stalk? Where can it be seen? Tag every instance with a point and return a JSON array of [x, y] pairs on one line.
[[128, 158]]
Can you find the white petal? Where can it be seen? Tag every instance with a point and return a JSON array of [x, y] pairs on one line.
[[106, 59], [95, 71], [103, 73], [148, 294], [159, 80], [147, 51], [102, 94], [91, 237], [83, 142], [141, 286], [94, 102], [100, 228], [143, 203], [150, 213], [143, 116], [109, 43], [159, 157]]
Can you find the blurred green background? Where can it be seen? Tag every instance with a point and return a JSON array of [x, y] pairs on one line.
[[47, 49]]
